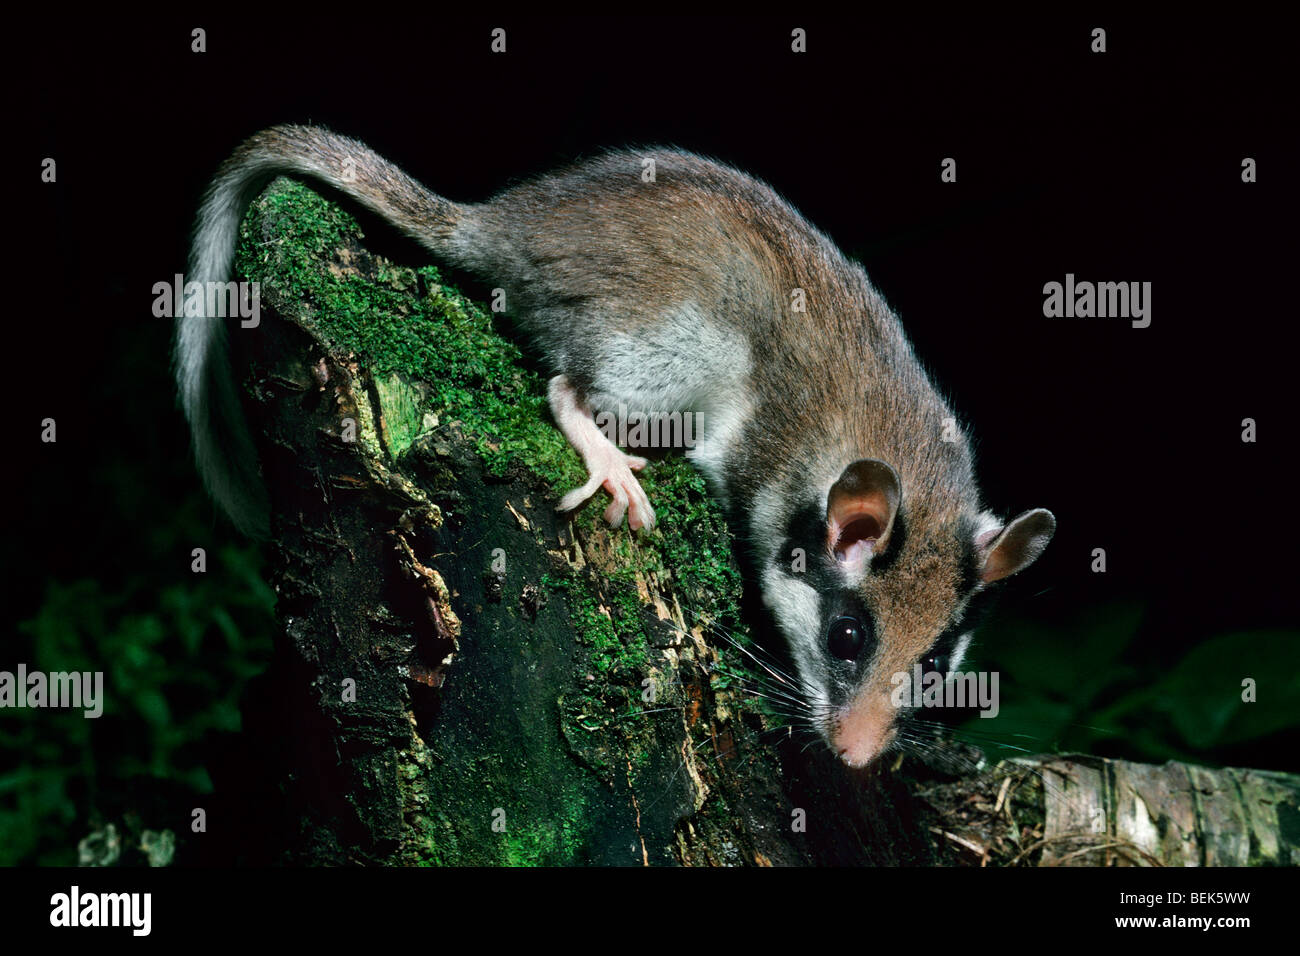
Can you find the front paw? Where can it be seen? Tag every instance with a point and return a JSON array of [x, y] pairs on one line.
[[613, 472]]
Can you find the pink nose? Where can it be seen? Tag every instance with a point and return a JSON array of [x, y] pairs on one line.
[[864, 731]]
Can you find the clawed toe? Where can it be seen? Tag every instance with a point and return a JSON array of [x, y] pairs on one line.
[[607, 465], [628, 497]]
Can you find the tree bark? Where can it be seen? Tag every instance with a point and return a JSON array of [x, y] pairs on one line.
[[465, 677]]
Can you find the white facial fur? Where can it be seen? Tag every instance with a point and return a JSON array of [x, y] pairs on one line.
[[797, 609], [959, 651]]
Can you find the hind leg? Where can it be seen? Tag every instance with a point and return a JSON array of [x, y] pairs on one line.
[[606, 464]]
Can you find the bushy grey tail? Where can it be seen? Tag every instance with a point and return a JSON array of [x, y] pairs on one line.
[[223, 448]]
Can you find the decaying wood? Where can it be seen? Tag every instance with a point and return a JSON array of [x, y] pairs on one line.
[[1092, 811]]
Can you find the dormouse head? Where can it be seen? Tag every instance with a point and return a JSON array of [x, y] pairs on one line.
[[893, 580]]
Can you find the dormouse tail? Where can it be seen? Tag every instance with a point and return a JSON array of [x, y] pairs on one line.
[[223, 448]]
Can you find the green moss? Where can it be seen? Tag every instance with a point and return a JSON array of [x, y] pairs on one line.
[[545, 842], [617, 641], [438, 337]]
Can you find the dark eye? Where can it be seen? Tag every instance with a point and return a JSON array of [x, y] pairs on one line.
[[936, 662], [845, 638]]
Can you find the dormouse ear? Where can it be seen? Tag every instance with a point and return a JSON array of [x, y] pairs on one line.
[[1014, 547], [860, 510]]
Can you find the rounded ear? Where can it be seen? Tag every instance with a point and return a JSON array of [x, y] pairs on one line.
[[860, 510], [1017, 546]]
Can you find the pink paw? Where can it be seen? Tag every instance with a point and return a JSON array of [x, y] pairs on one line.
[[612, 469]]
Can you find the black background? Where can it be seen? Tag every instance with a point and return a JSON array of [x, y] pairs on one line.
[[1119, 166]]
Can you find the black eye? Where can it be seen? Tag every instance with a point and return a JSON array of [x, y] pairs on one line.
[[845, 638], [935, 662]]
